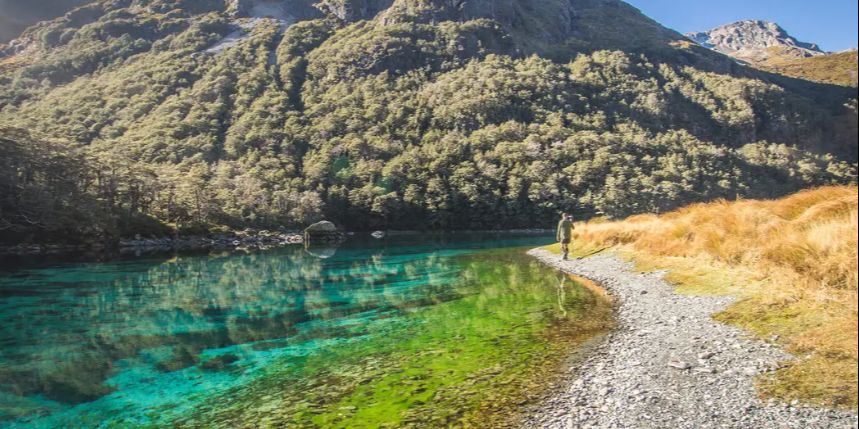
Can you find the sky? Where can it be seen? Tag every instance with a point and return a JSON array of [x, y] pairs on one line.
[[832, 24]]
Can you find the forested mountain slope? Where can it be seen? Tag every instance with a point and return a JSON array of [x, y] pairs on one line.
[[400, 114]]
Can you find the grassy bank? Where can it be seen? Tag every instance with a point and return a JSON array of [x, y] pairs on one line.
[[792, 263]]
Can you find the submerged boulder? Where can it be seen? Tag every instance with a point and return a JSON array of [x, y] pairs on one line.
[[219, 363]]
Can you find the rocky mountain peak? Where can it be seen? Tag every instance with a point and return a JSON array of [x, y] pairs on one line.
[[750, 35]]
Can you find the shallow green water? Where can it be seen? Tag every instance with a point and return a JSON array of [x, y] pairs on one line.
[[409, 331]]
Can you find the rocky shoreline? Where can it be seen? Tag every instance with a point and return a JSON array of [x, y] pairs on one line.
[[247, 239], [668, 364], [243, 239]]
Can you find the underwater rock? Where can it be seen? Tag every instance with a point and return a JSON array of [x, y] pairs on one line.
[[182, 358], [75, 385], [219, 362], [72, 391]]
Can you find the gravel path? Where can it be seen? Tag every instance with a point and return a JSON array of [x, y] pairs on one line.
[[668, 364]]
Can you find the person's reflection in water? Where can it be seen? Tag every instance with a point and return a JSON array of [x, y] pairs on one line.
[[562, 295]]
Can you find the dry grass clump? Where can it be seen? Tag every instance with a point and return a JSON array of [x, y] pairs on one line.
[[792, 262]]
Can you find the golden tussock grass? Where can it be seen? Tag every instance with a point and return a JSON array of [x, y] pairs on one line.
[[791, 262]]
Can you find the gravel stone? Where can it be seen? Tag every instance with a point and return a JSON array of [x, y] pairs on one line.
[[627, 380]]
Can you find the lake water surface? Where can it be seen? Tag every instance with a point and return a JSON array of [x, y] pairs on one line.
[[415, 331]]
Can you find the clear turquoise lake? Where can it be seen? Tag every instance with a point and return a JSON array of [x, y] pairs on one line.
[[409, 331]]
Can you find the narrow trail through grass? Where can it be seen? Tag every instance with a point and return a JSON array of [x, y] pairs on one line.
[[791, 262]]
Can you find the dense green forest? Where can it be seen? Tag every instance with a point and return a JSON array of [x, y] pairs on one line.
[[140, 116]]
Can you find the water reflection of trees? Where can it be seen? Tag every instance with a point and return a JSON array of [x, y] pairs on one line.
[[64, 341]]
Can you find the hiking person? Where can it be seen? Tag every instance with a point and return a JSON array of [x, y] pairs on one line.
[[565, 234]]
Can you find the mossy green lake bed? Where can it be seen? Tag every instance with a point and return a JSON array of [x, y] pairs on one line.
[[416, 331]]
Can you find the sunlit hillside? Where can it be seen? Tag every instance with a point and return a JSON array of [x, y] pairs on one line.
[[839, 68], [791, 262]]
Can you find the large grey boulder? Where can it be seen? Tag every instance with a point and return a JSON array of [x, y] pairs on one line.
[[322, 227], [323, 232]]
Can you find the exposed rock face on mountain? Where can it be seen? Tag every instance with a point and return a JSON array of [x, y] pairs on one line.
[[354, 10], [285, 10], [390, 114], [751, 35], [345, 10]]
